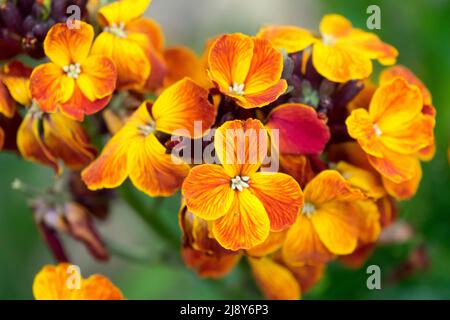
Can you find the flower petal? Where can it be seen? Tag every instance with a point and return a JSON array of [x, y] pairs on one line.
[[229, 60], [290, 38], [335, 25], [46, 86], [183, 107], [241, 146], [281, 196], [65, 46], [151, 29], [407, 189], [183, 62], [303, 245], [208, 192], [272, 244], [245, 225], [7, 104], [300, 129], [394, 166], [98, 287], [122, 11], [263, 98], [274, 280], [51, 283], [361, 128], [98, 77]]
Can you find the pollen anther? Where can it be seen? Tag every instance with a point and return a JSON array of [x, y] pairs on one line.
[[237, 89], [239, 183], [377, 130], [72, 70], [117, 29], [308, 209]]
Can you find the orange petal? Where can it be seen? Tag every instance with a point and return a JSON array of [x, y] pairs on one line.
[[263, 98], [208, 192], [281, 196], [2, 138], [132, 64], [274, 280], [340, 63], [15, 76], [46, 86], [303, 245], [98, 287], [67, 140], [307, 276], [65, 46], [272, 244], [265, 68], [241, 146], [358, 257], [122, 11], [79, 105], [407, 189], [335, 25], [151, 169], [229, 60], [336, 225], [290, 38], [369, 225], [330, 186], [151, 29], [396, 167], [361, 128], [51, 283], [183, 62], [7, 104], [98, 77], [245, 225], [181, 107], [30, 144]]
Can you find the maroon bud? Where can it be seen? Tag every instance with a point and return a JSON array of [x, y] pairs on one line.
[[11, 17]]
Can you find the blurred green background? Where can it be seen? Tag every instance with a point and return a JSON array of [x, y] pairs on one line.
[[144, 267]]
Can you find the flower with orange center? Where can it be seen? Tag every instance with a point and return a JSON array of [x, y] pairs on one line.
[[343, 53], [134, 44], [393, 130], [135, 150], [329, 221], [242, 204], [63, 282], [246, 69], [76, 81]]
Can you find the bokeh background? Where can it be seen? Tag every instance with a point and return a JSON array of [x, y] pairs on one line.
[[145, 267]]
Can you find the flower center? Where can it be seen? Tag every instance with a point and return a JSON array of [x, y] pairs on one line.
[[237, 89], [377, 130], [147, 129], [308, 209], [239, 183], [117, 29], [72, 70], [328, 39]]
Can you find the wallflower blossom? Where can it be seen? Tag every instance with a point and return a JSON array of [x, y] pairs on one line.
[[247, 70], [242, 204], [343, 53], [60, 283], [135, 150], [134, 43], [76, 81]]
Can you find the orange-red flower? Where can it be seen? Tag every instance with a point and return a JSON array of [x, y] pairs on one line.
[[135, 150], [246, 69], [343, 53], [393, 130], [134, 44], [63, 282], [242, 204], [76, 81], [329, 221]]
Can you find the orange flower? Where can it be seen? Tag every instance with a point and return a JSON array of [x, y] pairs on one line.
[[242, 204], [62, 282], [134, 44], [135, 150], [393, 130], [13, 86], [246, 69], [343, 53], [75, 81], [328, 224]]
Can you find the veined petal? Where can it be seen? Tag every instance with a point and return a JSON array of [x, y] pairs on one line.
[[335, 25], [330, 186], [263, 98], [132, 64], [336, 225], [272, 244], [361, 128], [208, 192], [122, 11], [407, 189], [152, 170], [98, 287], [183, 62], [151, 29], [98, 77], [229, 60], [46, 87], [183, 106], [7, 104], [368, 218], [65, 46], [340, 63], [394, 166], [241, 146], [281, 196], [274, 280], [245, 225], [51, 283], [15, 76], [290, 38], [303, 246], [300, 129], [307, 275], [265, 68]]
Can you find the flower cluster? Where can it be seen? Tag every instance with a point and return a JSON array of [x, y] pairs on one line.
[[299, 156]]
